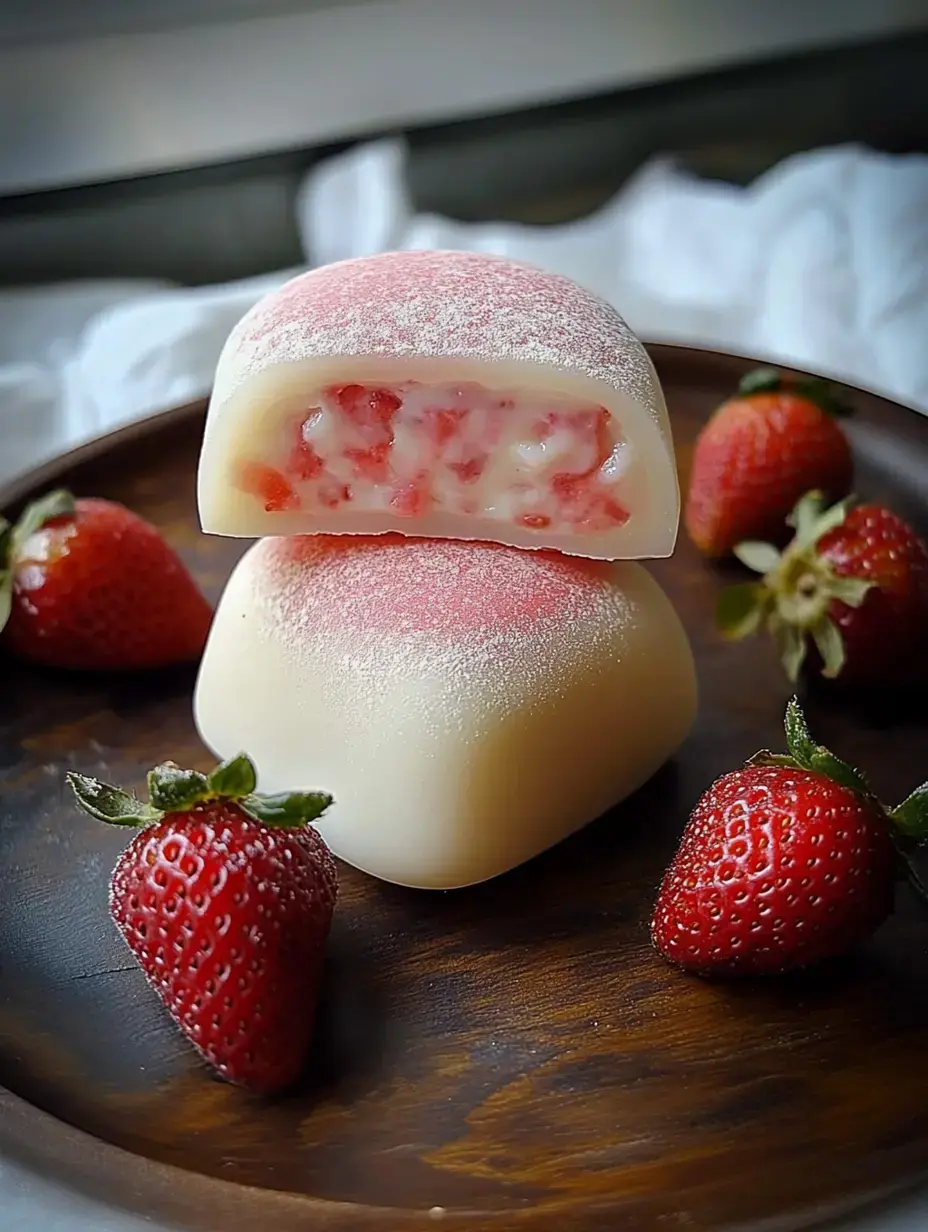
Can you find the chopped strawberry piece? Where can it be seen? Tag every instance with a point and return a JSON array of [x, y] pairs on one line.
[[534, 521], [348, 397], [370, 463], [444, 425], [366, 407], [269, 485], [413, 499], [304, 462], [615, 512], [568, 488], [333, 494], [384, 404], [470, 470]]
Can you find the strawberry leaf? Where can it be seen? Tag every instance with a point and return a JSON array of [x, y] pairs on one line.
[[911, 816], [813, 388], [760, 381], [6, 572], [830, 643], [791, 643], [815, 757], [825, 396], [761, 557], [234, 778], [849, 590], [110, 804], [173, 790], [740, 610], [286, 810], [798, 737], [57, 504], [914, 878], [804, 515], [6, 596], [811, 520]]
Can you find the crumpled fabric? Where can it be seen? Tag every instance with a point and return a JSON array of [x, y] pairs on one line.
[[821, 263]]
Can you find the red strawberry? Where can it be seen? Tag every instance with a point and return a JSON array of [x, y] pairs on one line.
[[783, 863], [757, 455], [225, 898], [853, 582], [88, 584]]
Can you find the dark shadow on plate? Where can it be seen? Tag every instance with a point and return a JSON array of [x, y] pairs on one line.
[[352, 1017], [607, 858]]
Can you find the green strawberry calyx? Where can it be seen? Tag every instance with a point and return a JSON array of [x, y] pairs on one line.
[[907, 822], [172, 791], [793, 599], [805, 754], [57, 504], [814, 389]]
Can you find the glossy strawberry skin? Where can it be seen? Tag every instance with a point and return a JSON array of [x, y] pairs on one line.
[[753, 460], [886, 638], [101, 590], [228, 920], [778, 868]]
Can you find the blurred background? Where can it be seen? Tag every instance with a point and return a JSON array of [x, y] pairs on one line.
[[730, 173]]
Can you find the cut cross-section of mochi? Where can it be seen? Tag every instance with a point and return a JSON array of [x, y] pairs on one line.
[[440, 394], [467, 704]]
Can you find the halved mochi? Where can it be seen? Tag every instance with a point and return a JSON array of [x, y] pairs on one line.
[[440, 394]]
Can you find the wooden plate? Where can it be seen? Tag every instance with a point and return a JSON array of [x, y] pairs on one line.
[[508, 1056]]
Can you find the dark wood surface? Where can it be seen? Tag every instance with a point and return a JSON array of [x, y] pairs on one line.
[[514, 1053]]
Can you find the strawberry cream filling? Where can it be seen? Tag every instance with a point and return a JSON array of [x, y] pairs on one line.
[[538, 462]]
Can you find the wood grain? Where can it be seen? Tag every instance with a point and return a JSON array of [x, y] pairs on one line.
[[512, 1054]]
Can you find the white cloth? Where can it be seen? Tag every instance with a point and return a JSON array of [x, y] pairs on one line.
[[822, 262]]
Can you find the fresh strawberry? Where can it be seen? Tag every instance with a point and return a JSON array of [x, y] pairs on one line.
[[225, 898], [89, 584], [757, 455], [853, 583], [784, 863]]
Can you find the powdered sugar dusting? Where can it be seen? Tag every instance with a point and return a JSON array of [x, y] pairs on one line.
[[395, 585], [496, 624], [441, 304]]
